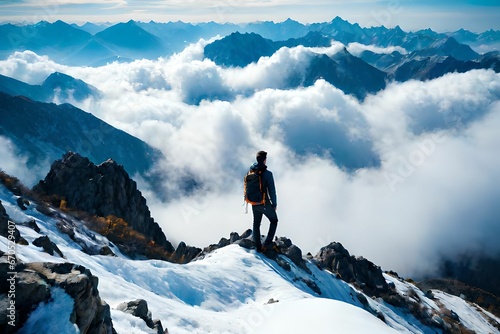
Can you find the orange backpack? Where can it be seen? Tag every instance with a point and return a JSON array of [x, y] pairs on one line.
[[253, 189]]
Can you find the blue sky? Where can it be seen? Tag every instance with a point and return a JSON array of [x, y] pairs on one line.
[[440, 15]]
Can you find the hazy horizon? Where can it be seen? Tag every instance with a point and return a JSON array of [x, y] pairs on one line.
[[441, 16]]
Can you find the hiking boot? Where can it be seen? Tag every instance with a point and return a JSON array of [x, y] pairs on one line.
[[268, 245]]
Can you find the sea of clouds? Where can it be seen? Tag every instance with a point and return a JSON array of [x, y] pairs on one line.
[[404, 176]]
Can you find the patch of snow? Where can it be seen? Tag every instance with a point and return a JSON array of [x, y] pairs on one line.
[[231, 290], [53, 316], [320, 315]]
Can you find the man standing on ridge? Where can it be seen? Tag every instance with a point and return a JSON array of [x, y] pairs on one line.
[[269, 205]]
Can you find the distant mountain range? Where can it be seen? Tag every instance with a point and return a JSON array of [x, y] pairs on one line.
[[95, 45], [421, 55], [358, 76]]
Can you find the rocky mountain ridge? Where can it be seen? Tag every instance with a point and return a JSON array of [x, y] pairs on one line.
[[57, 85], [45, 131], [107, 189]]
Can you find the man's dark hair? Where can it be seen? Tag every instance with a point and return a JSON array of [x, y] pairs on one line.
[[261, 156]]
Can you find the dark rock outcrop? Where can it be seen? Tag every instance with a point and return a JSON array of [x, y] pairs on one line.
[[359, 270], [184, 254], [7, 228], [101, 190], [31, 224], [34, 284], [139, 308], [22, 203], [47, 245], [234, 238], [294, 253]]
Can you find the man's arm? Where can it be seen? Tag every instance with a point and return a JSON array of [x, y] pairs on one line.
[[271, 189]]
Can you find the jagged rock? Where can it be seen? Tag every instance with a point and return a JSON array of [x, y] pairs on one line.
[[34, 282], [30, 290], [234, 237], [393, 274], [47, 245], [246, 234], [91, 313], [294, 253], [184, 254], [312, 285], [65, 227], [245, 243], [101, 190], [352, 270], [367, 272], [272, 301], [207, 250], [22, 202], [223, 242], [7, 228], [106, 251], [31, 224], [159, 327], [283, 242], [3, 214], [139, 308], [429, 294], [45, 209], [283, 264]]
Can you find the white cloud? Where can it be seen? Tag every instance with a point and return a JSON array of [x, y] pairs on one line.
[[16, 165], [29, 67], [433, 192], [356, 49]]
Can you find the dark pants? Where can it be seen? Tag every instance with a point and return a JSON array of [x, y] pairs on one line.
[[270, 213]]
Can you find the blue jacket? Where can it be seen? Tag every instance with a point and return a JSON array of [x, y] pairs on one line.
[[267, 183]]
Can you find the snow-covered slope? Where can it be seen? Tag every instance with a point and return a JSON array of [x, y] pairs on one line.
[[231, 290]]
